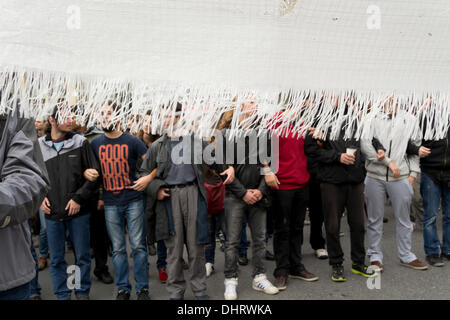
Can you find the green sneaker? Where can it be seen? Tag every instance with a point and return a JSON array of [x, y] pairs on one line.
[[337, 274], [363, 270]]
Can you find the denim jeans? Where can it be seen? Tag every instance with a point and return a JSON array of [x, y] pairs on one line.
[[242, 247], [161, 252], [214, 222], [18, 293], [432, 195], [43, 242], [35, 288], [78, 228], [115, 224]]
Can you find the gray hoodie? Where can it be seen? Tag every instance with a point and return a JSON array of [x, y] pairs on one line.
[[394, 134], [23, 185]]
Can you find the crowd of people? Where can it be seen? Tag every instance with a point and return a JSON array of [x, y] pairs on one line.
[[108, 183]]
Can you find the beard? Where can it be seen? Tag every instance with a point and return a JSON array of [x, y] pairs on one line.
[[108, 129]]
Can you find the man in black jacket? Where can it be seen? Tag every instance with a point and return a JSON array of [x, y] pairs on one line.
[[341, 173], [67, 156]]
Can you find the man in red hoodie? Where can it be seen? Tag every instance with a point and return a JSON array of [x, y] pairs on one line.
[[289, 194]]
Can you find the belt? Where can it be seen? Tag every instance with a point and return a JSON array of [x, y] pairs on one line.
[[181, 185]]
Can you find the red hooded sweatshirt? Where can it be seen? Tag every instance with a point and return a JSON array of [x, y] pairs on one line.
[[292, 172]]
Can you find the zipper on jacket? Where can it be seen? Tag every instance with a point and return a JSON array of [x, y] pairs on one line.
[[389, 155], [445, 156]]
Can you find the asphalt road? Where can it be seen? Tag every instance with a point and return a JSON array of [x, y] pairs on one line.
[[396, 282]]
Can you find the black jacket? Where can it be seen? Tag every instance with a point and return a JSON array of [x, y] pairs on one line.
[[65, 170], [326, 163]]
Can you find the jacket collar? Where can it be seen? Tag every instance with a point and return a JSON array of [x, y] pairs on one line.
[[68, 141]]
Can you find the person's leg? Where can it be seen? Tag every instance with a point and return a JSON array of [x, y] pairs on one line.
[[282, 202], [176, 284], [256, 220], [417, 210], [136, 230], [115, 225], [162, 255], [375, 197], [18, 293], [79, 230], [355, 218], [242, 247], [234, 217], [56, 233], [316, 238], [431, 194], [297, 218], [35, 287], [333, 199], [400, 192], [446, 220], [99, 240], [43, 242], [209, 249]]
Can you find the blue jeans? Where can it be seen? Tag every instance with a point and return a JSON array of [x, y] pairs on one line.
[[432, 195], [78, 228], [115, 223], [242, 247], [162, 254], [43, 242], [35, 288], [18, 293]]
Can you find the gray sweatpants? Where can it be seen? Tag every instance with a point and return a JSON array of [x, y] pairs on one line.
[[400, 193], [184, 213]]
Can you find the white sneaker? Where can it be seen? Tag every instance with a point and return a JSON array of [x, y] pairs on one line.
[[230, 289], [209, 269], [321, 254], [260, 283]]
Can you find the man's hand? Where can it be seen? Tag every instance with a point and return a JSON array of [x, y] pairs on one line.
[[424, 152], [395, 170], [257, 193], [272, 181], [73, 207], [163, 193], [347, 159], [100, 205], [45, 206], [230, 175], [380, 155], [250, 197], [412, 180], [90, 174], [140, 184]]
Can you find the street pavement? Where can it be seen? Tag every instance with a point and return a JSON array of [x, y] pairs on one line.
[[396, 282]]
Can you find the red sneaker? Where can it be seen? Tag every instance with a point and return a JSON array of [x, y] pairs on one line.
[[162, 275]]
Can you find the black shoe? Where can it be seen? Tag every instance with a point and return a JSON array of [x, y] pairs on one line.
[[269, 256], [385, 220], [363, 270], [337, 274], [243, 260], [204, 297], [105, 277], [123, 295], [152, 249], [435, 260], [446, 256], [143, 294]]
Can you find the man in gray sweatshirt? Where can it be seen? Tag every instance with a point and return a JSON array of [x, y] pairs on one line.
[[23, 185], [394, 176]]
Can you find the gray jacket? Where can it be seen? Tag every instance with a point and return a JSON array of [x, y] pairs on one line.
[[23, 186], [394, 134]]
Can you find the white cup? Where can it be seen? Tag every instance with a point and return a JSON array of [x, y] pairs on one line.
[[351, 151]]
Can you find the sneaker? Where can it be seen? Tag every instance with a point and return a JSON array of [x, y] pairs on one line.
[[209, 269], [269, 256], [376, 266], [281, 282], [416, 265], [304, 275], [105, 277], [260, 283], [162, 275], [230, 288], [42, 263], [435, 260], [337, 274], [123, 295], [321, 254], [143, 294], [243, 260], [363, 270]]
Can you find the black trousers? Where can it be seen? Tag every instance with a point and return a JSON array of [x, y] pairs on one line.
[[99, 241], [336, 197], [316, 238], [289, 208]]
